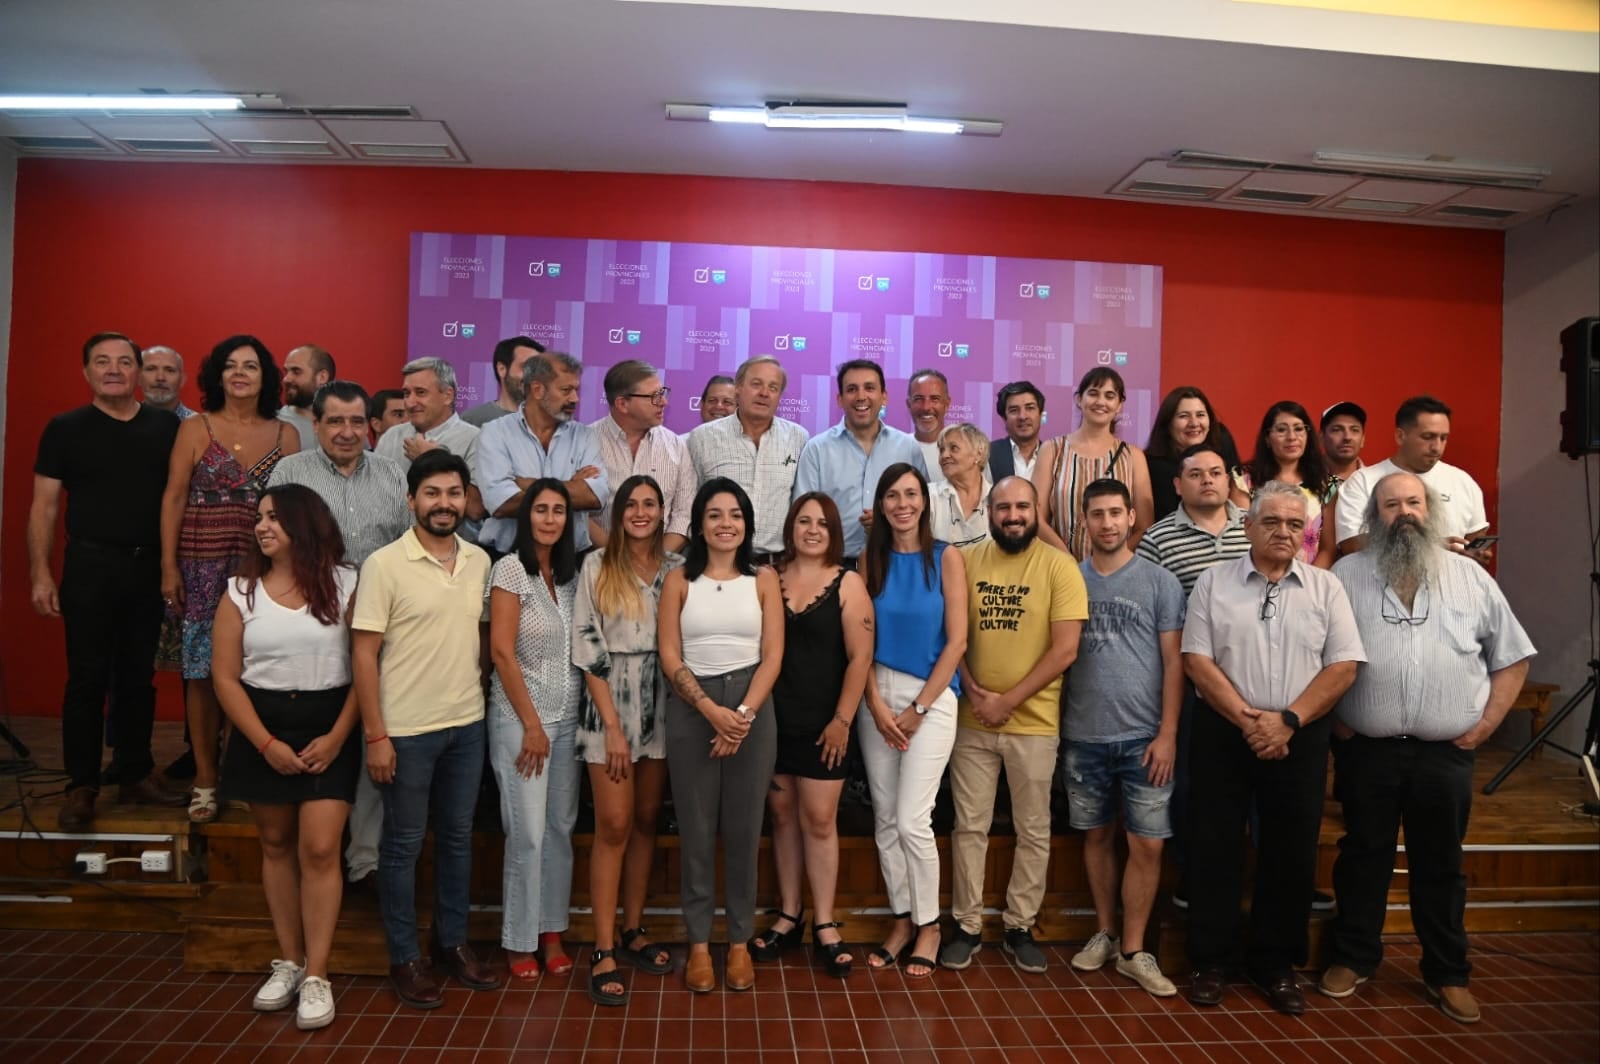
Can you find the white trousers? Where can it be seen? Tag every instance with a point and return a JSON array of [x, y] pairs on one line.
[[904, 786], [366, 828]]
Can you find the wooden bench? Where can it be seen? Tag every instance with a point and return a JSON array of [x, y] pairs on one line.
[[1535, 698]]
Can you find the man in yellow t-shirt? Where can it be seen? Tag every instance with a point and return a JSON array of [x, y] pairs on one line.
[[1026, 608]]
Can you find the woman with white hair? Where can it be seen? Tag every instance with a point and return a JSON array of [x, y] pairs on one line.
[[958, 506]]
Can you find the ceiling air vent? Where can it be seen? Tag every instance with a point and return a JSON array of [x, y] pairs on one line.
[[1276, 196], [1168, 188], [358, 112], [1463, 210], [403, 151], [318, 148], [1375, 206], [165, 144], [40, 143]]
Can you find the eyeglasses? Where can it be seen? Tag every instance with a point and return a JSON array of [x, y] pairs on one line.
[[1298, 428], [1269, 601], [1391, 613], [658, 398]]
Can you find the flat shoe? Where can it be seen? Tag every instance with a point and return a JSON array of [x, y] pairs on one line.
[[699, 974], [925, 962]]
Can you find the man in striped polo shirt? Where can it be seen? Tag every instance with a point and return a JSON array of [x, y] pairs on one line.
[[1205, 530]]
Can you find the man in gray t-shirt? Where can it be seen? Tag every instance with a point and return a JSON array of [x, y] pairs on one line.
[[1121, 725]]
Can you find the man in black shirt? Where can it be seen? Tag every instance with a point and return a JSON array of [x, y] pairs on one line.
[[110, 458]]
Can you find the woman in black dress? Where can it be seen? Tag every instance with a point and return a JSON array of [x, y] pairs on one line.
[[827, 659], [280, 661]]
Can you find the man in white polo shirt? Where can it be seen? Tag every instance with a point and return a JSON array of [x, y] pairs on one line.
[[1421, 431], [414, 657]]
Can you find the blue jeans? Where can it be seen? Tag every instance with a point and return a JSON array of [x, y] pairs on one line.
[[436, 779], [1097, 771], [538, 815]]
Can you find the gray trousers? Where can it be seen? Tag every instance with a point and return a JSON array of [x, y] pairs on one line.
[[730, 791]]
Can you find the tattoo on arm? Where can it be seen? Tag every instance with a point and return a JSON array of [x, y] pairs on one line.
[[866, 622], [688, 688]]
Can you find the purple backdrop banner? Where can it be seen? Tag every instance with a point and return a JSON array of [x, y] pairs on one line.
[[694, 310]]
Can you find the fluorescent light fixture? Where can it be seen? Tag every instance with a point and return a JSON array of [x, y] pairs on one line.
[[152, 102], [1429, 166], [891, 118]]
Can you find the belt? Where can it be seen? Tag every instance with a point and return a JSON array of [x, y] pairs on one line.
[[129, 550]]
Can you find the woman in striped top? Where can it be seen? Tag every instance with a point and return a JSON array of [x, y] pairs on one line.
[[1069, 464]]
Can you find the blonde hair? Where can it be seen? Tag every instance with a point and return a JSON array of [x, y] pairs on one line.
[[616, 588]]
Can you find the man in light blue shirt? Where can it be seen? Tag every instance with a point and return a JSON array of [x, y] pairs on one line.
[[541, 441], [847, 460]]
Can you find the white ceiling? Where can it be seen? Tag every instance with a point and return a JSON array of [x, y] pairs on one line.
[[580, 84]]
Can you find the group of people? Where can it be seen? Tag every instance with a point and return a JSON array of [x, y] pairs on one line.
[[741, 612]]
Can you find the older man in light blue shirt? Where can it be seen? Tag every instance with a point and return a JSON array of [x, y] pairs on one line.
[[847, 460], [541, 441]]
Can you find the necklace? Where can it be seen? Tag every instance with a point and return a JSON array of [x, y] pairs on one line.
[[455, 548]]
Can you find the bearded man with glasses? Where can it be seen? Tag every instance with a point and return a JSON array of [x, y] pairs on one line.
[[1448, 659], [634, 441], [1270, 644]]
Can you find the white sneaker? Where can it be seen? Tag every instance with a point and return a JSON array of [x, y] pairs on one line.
[[281, 986], [316, 1004], [1094, 954], [1141, 968]]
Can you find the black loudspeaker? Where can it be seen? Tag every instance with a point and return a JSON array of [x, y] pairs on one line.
[[1580, 361]]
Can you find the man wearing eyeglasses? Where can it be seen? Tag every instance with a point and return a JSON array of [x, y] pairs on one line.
[[1448, 659], [543, 440], [1270, 644], [633, 440]]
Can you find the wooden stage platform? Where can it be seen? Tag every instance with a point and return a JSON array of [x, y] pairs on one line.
[[1533, 863]]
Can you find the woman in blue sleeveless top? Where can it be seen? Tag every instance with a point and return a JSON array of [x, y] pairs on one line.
[[919, 591]]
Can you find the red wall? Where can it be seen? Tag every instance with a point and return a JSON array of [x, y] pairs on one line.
[[1256, 307]]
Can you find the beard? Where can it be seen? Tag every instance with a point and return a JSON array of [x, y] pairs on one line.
[[1407, 550], [293, 396], [1013, 542], [159, 396], [442, 522]]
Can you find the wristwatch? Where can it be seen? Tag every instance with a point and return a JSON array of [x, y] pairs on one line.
[[743, 711], [922, 710], [1292, 719]]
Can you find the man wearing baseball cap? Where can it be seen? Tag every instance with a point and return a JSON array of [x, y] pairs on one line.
[[1344, 430]]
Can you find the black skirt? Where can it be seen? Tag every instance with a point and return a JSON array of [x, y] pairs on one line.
[[294, 718], [799, 755]]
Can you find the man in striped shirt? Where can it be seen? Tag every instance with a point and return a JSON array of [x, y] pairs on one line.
[[1446, 660], [1205, 528]]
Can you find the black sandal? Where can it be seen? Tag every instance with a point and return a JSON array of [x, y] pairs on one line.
[[600, 979], [887, 960], [644, 957], [932, 966], [829, 952], [770, 946]]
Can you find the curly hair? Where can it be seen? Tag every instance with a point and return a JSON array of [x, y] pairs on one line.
[[212, 396]]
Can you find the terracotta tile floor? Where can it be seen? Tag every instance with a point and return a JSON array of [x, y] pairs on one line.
[[112, 997]]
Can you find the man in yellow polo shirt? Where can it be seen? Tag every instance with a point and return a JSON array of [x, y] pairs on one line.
[[415, 653], [1026, 608]]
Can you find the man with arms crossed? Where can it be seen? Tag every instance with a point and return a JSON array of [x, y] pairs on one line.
[[755, 449], [1270, 645], [367, 494], [1121, 727], [1026, 607], [415, 653], [1447, 660], [543, 440]]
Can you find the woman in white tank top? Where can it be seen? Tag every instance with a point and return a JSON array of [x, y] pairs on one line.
[[720, 634], [280, 665]]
